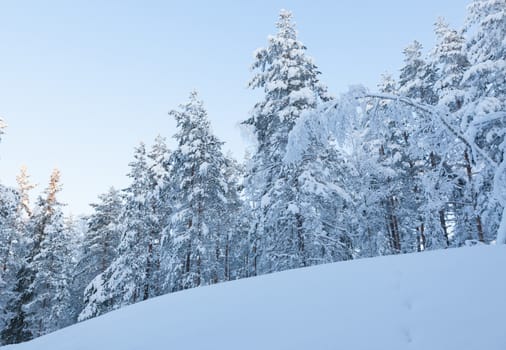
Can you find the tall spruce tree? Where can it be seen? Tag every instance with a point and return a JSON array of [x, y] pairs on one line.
[[236, 223], [11, 248], [41, 302], [120, 283], [448, 179], [98, 247], [193, 247], [159, 206], [483, 115], [289, 80], [133, 275], [11, 244], [450, 60]]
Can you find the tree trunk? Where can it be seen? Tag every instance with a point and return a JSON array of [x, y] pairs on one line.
[[421, 238], [227, 266], [255, 260], [394, 226], [148, 272], [300, 239], [198, 273], [442, 220], [479, 226]]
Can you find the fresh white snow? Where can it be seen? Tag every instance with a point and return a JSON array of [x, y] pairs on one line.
[[447, 299]]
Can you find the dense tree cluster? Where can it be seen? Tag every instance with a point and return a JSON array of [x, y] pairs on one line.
[[417, 165]]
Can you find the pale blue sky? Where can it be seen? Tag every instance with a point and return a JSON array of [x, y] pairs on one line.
[[82, 82]]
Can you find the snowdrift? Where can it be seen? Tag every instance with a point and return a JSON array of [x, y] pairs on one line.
[[451, 299]]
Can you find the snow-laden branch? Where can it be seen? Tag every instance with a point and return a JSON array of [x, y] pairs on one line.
[[434, 111], [489, 118]]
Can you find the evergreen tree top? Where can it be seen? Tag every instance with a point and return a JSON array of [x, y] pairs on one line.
[[486, 20], [24, 186], [486, 29], [110, 198], [193, 123], [449, 41], [138, 174], [52, 190], [138, 165], [413, 52], [387, 84], [289, 79], [286, 26]]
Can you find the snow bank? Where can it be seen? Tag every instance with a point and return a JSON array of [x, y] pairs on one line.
[[451, 299]]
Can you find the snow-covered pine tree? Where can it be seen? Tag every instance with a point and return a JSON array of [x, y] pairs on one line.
[[121, 283], [9, 200], [386, 129], [41, 303], [376, 210], [483, 115], [100, 242], [450, 60], [244, 235], [133, 274], [427, 143], [322, 202], [485, 80], [159, 202], [446, 184], [103, 233], [392, 131], [75, 229], [289, 79], [193, 245], [418, 143], [410, 137], [9, 245], [417, 77], [49, 309], [235, 246]]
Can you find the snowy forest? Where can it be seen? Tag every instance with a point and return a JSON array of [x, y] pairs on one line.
[[416, 164]]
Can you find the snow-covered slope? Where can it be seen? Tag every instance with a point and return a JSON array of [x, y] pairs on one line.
[[451, 299]]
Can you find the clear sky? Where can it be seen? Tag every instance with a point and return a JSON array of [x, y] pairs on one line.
[[82, 82]]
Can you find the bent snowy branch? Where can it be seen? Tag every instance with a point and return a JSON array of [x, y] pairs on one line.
[[434, 111]]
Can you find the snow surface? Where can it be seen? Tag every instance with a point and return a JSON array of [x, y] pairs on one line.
[[448, 299]]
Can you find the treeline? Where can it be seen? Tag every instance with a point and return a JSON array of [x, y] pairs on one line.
[[417, 165]]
